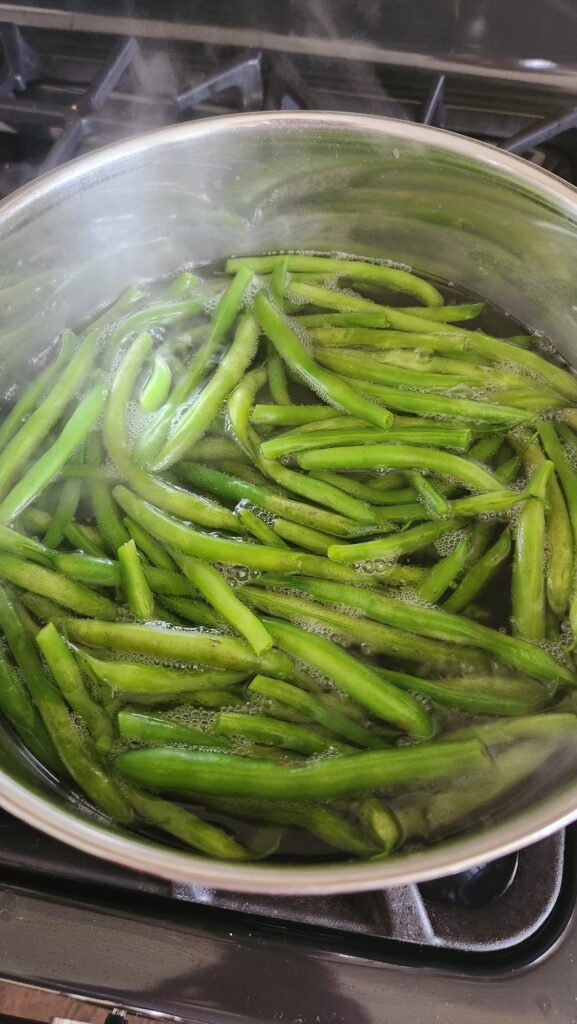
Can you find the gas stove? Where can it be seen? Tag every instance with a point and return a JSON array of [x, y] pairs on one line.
[[494, 944]]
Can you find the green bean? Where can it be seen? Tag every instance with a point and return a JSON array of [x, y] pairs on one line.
[[362, 366], [388, 549], [66, 592], [352, 331], [152, 729], [202, 545], [216, 449], [42, 472], [287, 444], [441, 625], [496, 734], [397, 643], [154, 437], [321, 494], [68, 500], [443, 406], [289, 415], [16, 706], [376, 319], [105, 512], [23, 444], [68, 678], [190, 646], [104, 572], [277, 381], [314, 709], [159, 314], [357, 679], [528, 582], [134, 582], [568, 478], [197, 612], [479, 695], [303, 537], [432, 500], [157, 388], [36, 390], [218, 593], [43, 609], [239, 407], [368, 492], [154, 552], [444, 573], [560, 559], [328, 385], [468, 370], [149, 681], [84, 538], [195, 420], [259, 529], [374, 456], [477, 577], [21, 546], [536, 399], [229, 488], [209, 774], [495, 349], [75, 751], [277, 734], [379, 822], [374, 273]]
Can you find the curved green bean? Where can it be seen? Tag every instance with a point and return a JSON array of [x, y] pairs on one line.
[[528, 581], [157, 388]]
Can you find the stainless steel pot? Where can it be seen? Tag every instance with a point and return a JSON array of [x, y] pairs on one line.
[[448, 206]]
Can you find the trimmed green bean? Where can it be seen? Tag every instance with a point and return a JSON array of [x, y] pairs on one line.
[[42, 472], [479, 695], [259, 529], [157, 388], [21, 546], [444, 406], [441, 625], [363, 366], [443, 574], [155, 730], [68, 499], [356, 678], [154, 552], [66, 592], [528, 582], [150, 681], [288, 444], [375, 456], [477, 577], [290, 415], [369, 491], [314, 709], [186, 645], [387, 549], [323, 382], [68, 678], [35, 392], [432, 500], [134, 582], [278, 734], [322, 778]]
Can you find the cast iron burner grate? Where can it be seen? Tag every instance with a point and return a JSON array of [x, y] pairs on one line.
[[64, 93]]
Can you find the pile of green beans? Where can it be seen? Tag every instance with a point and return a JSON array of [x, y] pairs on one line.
[[292, 556]]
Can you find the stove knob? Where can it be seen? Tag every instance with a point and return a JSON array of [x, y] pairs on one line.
[[476, 887]]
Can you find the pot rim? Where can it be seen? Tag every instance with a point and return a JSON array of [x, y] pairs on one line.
[[137, 853]]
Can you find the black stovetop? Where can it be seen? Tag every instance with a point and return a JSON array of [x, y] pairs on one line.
[[78, 925]]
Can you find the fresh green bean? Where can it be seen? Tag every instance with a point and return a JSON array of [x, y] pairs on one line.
[[323, 382], [218, 593], [25, 441], [42, 472], [387, 549], [105, 512], [149, 681], [375, 456], [84, 539], [289, 415], [202, 545], [315, 710], [186, 645], [232, 488], [74, 750], [369, 491], [277, 380], [191, 610], [362, 366], [154, 552], [66, 592], [209, 774], [356, 678], [68, 500], [528, 582], [68, 678], [16, 706], [36, 390], [374, 273], [478, 575], [153, 729], [352, 331], [134, 582], [157, 387], [443, 406], [479, 695], [441, 625], [303, 537], [568, 477], [444, 572], [432, 500], [18, 544], [288, 444], [195, 420], [259, 529], [278, 734]]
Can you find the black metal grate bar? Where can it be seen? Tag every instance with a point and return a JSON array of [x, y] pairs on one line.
[[433, 104], [244, 75], [541, 131]]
